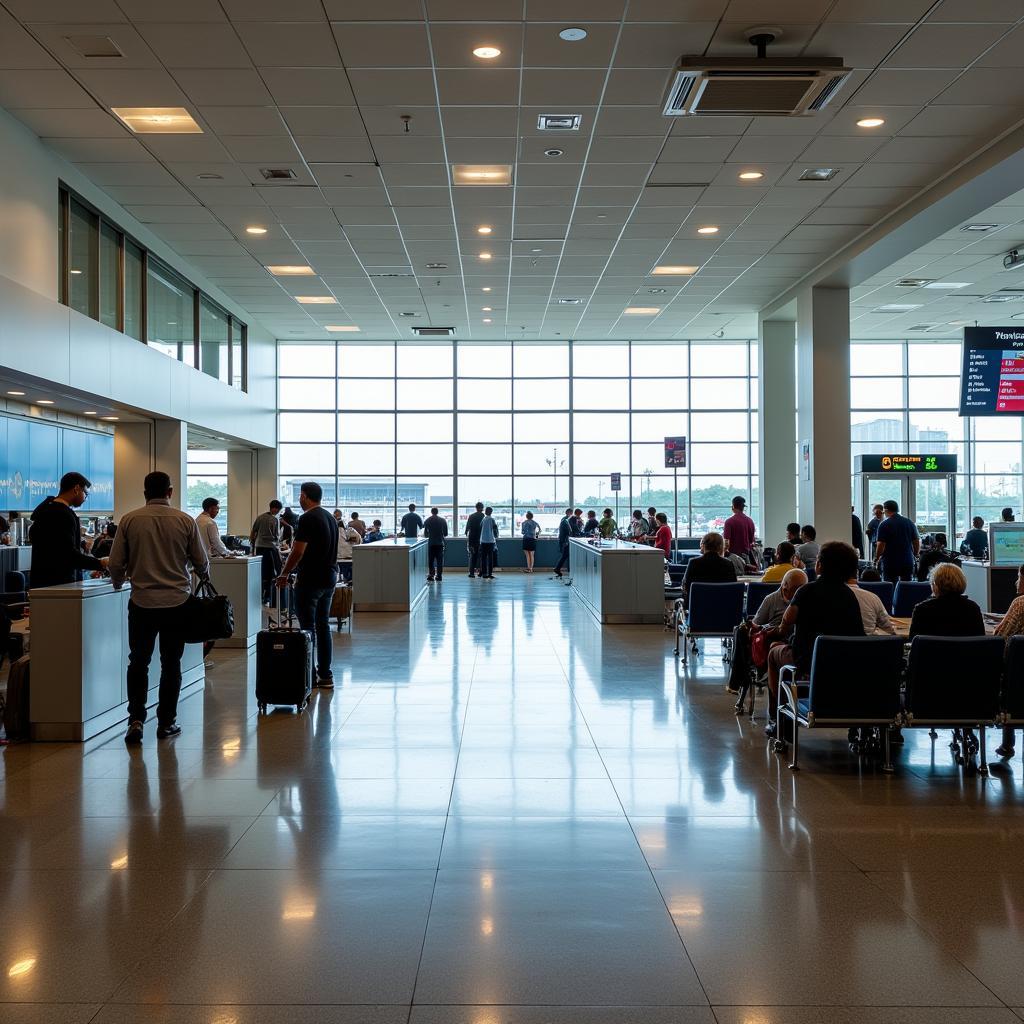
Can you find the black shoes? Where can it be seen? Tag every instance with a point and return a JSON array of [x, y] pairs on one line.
[[133, 737], [165, 732]]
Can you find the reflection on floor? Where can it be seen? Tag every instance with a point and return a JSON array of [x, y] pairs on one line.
[[503, 815]]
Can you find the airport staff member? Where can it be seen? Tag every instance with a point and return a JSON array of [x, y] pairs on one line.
[[56, 536], [209, 531]]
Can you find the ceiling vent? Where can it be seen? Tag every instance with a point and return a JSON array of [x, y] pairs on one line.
[[559, 122], [94, 46], [763, 86], [819, 173], [390, 275], [437, 266], [278, 173], [434, 332], [914, 282]]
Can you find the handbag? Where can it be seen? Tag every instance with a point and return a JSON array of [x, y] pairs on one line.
[[208, 615], [760, 644]]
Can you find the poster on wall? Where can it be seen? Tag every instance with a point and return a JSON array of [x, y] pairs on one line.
[[675, 452]]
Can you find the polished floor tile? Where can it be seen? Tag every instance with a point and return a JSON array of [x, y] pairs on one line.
[[503, 814]]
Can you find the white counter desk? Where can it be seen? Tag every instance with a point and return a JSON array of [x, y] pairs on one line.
[[389, 575], [240, 580], [620, 582], [80, 660]]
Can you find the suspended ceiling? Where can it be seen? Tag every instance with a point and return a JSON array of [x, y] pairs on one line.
[[321, 88]]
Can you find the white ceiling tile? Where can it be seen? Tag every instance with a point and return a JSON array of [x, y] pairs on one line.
[[651, 46], [544, 48], [98, 150], [282, 45], [38, 89], [229, 87], [195, 45], [549, 87], [1005, 11], [158, 10], [332, 122], [324, 149], [983, 121], [65, 10], [945, 46], [477, 87], [382, 45], [860, 46], [834, 149], [149, 173], [70, 124], [453, 44], [389, 87]]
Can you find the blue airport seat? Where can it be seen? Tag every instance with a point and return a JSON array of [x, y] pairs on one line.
[[908, 596], [756, 593], [883, 591], [713, 610]]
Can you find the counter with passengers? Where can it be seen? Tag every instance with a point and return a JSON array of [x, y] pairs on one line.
[[619, 582]]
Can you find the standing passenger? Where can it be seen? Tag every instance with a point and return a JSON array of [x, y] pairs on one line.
[[265, 538], [897, 544], [435, 529], [530, 530], [411, 522], [564, 533], [153, 549], [358, 525], [488, 543], [607, 526], [739, 530], [473, 538]]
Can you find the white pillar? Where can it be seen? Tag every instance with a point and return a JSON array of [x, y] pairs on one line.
[[776, 412], [823, 410], [252, 485], [141, 448]]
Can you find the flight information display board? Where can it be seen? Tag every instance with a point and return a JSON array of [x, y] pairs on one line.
[[992, 374]]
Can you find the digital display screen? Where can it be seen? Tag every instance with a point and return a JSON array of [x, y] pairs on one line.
[[939, 463], [992, 373], [1006, 545]]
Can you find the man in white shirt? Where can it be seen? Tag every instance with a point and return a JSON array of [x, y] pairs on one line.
[[872, 612], [209, 531]]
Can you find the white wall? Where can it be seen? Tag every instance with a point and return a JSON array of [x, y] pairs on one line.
[[42, 338]]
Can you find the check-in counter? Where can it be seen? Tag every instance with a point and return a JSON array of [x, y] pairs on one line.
[[993, 587], [619, 582], [389, 575], [240, 580], [80, 661], [509, 552]]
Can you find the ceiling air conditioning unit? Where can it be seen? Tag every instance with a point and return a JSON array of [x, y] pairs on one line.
[[762, 86], [434, 332]]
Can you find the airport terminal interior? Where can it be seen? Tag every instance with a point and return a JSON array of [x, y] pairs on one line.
[[659, 366]]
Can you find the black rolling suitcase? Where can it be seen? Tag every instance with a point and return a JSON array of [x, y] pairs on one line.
[[284, 664]]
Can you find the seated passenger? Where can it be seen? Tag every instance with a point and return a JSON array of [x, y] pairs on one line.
[[375, 533], [936, 554], [870, 575], [773, 607], [948, 612], [1012, 624], [975, 542], [873, 613], [807, 550], [785, 559], [710, 566], [793, 533], [827, 606]]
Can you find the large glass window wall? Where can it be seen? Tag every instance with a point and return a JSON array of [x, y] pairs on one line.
[[530, 426]]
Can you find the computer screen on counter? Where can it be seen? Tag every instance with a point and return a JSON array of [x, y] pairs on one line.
[[1006, 544]]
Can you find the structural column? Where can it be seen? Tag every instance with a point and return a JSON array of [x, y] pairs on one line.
[[776, 407], [823, 411], [252, 485], [141, 448]]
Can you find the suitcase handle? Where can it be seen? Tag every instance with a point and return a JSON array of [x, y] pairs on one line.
[[278, 591]]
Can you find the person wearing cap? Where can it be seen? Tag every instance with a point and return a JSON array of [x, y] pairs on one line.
[[739, 530]]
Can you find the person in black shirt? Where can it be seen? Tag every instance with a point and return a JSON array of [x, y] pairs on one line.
[[102, 545], [435, 529], [56, 536], [473, 526], [564, 533], [411, 523], [710, 566], [592, 525], [975, 542], [313, 559], [826, 606], [935, 555], [857, 534], [947, 612]]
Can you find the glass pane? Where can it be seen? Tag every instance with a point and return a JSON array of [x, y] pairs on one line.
[[83, 252], [935, 392], [485, 360], [717, 426], [718, 394], [373, 498], [991, 428], [485, 394], [541, 360], [485, 426], [876, 392], [718, 458], [424, 426], [491, 490], [367, 360], [541, 394], [110, 276], [312, 459], [598, 360], [170, 306], [876, 360], [371, 459], [485, 458], [429, 459], [656, 426], [718, 360], [239, 343], [305, 360], [306, 393], [534, 459], [133, 290], [425, 360], [931, 429], [594, 492], [600, 459], [600, 426], [366, 426], [889, 427], [660, 359], [934, 359], [997, 457], [424, 394], [541, 426], [213, 340], [536, 491], [366, 394], [600, 394], [290, 487], [306, 426], [658, 393]]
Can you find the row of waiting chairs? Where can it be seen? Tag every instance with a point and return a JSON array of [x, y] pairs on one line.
[[950, 682]]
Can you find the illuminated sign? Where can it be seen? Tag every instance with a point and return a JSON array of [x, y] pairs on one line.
[[675, 452], [943, 463]]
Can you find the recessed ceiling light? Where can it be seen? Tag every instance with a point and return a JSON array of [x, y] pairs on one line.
[[482, 174], [17, 394], [943, 285], [819, 174], [486, 52], [897, 307], [291, 270], [44, 401], [210, 176], [914, 282], [21, 967], [316, 300], [408, 314], [573, 34], [485, 255], [349, 328], [709, 229], [254, 230], [110, 417], [158, 120], [536, 250], [979, 227], [568, 302], [486, 288], [667, 270], [641, 310], [484, 229], [656, 291], [91, 412], [75, 271], [488, 320], [751, 175], [487, 309], [871, 122], [553, 152]]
